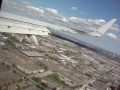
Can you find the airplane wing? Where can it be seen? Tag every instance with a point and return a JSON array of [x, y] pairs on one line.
[[15, 26], [103, 29], [33, 29]]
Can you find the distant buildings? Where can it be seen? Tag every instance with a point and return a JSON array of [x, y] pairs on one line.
[[30, 68]]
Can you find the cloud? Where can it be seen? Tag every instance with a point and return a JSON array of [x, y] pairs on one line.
[[25, 2], [74, 8], [64, 20], [74, 18], [54, 11], [111, 35], [35, 9], [88, 21], [87, 24], [99, 21]]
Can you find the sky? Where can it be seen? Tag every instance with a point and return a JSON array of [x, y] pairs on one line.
[[93, 9]]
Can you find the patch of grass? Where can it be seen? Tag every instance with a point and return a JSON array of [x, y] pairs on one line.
[[52, 56], [42, 65], [14, 65], [10, 42], [56, 78], [25, 41], [14, 39], [41, 85], [36, 79]]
